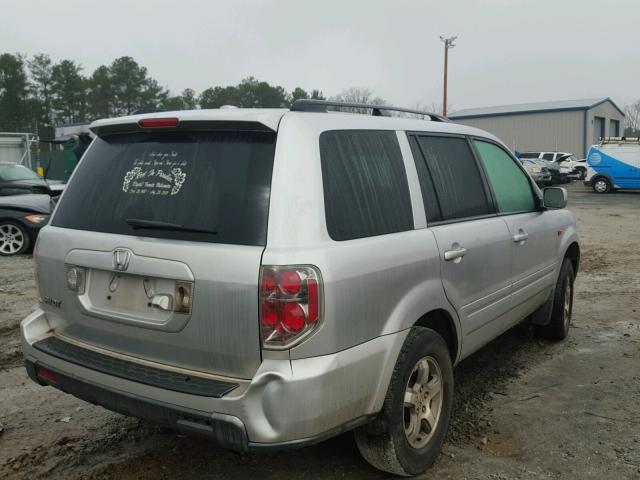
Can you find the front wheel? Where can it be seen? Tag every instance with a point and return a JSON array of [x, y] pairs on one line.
[[407, 435], [601, 185], [14, 238], [558, 326]]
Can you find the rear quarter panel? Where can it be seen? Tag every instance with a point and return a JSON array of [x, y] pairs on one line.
[[372, 286]]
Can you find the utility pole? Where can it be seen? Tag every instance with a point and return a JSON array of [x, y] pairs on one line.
[[448, 43]]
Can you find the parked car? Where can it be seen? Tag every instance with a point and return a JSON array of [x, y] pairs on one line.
[[559, 174], [576, 168], [21, 218], [539, 173], [614, 164], [270, 278], [17, 179], [569, 166]]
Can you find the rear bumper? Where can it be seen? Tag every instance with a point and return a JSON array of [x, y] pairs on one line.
[[286, 404]]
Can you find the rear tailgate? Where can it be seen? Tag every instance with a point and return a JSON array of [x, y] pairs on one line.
[[161, 234]]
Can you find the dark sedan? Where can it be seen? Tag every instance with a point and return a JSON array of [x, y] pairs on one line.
[[21, 218], [17, 179]]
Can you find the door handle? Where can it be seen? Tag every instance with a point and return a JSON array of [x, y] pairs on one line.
[[455, 255], [521, 236]]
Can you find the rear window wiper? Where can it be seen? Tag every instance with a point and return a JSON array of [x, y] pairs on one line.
[[137, 224]]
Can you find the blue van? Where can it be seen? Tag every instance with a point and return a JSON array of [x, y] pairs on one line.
[[614, 164]]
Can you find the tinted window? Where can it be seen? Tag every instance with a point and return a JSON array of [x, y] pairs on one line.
[[455, 175], [216, 182], [529, 155], [429, 197], [510, 184], [548, 156], [365, 184]]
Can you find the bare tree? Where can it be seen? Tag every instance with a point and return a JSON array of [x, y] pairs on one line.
[[632, 120], [358, 95]]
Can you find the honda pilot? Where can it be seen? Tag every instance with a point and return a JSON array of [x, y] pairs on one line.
[[270, 278]]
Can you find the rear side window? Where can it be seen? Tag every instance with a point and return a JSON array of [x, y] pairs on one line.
[[201, 186], [510, 184], [455, 177], [529, 155], [365, 184], [548, 156]]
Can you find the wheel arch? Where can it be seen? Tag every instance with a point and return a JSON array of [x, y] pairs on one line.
[[599, 175], [573, 253], [442, 323]]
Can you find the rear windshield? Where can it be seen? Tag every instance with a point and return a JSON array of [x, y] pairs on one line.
[[203, 186]]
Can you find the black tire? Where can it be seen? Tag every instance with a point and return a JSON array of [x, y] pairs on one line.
[[383, 442], [601, 185], [558, 326], [19, 233]]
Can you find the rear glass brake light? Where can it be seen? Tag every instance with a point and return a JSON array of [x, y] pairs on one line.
[[290, 301], [158, 122]]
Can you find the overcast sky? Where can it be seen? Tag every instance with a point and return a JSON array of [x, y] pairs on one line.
[[508, 51]]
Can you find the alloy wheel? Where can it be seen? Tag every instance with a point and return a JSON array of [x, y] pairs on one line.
[[11, 239], [423, 402], [568, 301]]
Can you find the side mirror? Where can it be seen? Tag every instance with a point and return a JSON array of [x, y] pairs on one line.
[[555, 197]]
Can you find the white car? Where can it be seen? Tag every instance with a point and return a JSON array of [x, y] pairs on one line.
[[568, 163]]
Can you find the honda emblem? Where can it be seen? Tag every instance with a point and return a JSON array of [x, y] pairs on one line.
[[121, 258]]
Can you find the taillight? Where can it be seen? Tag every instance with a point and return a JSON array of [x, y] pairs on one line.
[[158, 122], [290, 304]]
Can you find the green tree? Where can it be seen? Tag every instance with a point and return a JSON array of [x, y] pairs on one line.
[[68, 88], [130, 85], [152, 95], [41, 72], [101, 94], [215, 97], [298, 94], [13, 93], [256, 94], [186, 101], [189, 99]]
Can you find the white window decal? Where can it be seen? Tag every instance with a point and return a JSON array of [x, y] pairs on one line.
[[158, 174]]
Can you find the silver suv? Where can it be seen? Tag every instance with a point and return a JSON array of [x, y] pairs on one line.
[[272, 278]]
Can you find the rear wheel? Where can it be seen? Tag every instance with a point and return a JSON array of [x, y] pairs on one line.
[[407, 435], [14, 238], [601, 185], [558, 326]]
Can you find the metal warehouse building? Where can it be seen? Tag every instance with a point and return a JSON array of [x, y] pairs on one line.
[[564, 126]]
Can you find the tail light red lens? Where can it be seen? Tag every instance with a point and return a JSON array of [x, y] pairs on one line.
[[290, 282], [314, 307], [290, 304], [293, 317], [158, 122]]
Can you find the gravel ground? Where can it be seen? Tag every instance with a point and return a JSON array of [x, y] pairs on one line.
[[524, 409]]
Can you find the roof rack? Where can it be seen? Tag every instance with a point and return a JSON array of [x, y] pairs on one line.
[[604, 140], [309, 105]]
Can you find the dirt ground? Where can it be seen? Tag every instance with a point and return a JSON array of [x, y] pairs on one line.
[[525, 408]]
